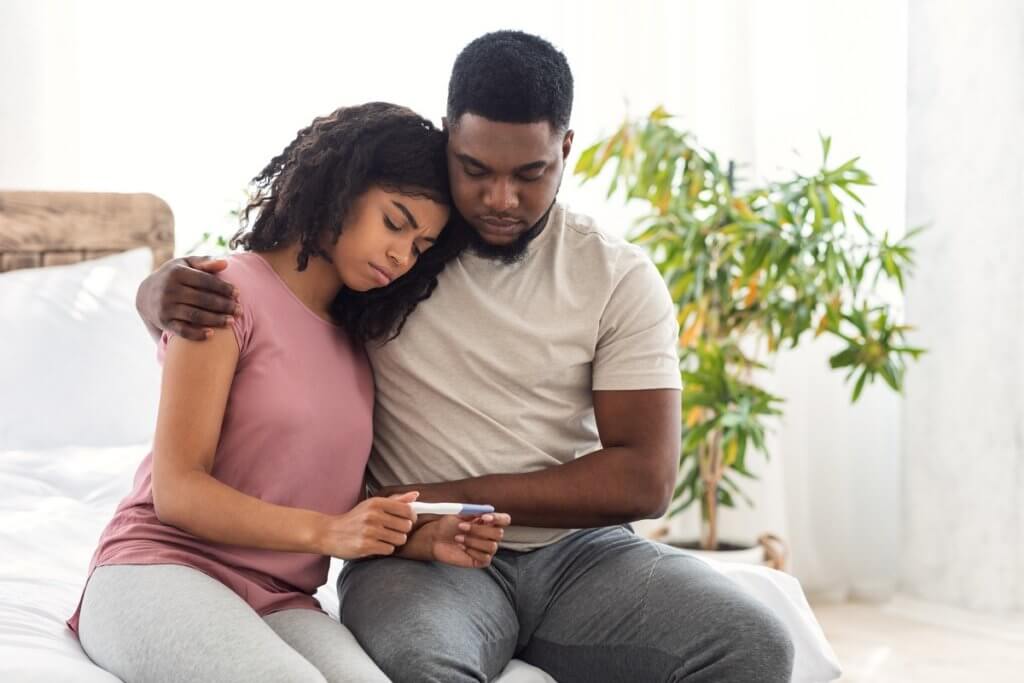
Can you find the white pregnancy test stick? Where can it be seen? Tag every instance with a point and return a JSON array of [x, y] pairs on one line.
[[450, 509]]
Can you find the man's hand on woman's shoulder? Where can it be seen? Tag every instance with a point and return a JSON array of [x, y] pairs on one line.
[[184, 296]]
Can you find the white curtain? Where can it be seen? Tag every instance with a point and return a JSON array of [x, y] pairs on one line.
[[189, 100], [767, 77], [965, 410]]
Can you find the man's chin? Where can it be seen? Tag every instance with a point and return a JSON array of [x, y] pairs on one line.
[[507, 250], [498, 241]]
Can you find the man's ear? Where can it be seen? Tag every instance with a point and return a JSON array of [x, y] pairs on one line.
[[567, 143], [444, 123]]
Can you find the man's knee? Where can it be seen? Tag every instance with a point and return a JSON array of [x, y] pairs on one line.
[[420, 662], [757, 647], [769, 648]]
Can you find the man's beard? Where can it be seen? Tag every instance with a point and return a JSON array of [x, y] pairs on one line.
[[509, 254]]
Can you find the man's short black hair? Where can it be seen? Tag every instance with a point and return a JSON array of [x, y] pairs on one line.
[[511, 77]]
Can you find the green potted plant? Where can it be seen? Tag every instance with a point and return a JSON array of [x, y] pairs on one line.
[[752, 268]]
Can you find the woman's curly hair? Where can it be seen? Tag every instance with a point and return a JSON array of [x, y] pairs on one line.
[[310, 188]]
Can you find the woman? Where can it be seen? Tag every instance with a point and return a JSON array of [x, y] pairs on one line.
[[208, 568]]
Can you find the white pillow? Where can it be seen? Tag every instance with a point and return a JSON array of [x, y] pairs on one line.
[[77, 367], [814, 661]]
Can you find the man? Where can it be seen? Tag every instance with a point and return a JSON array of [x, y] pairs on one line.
[[540, 377]]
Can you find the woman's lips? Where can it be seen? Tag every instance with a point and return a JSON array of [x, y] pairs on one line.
[[381, 275]]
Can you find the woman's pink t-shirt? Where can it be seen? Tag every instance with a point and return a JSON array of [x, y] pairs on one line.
[[297, 432]]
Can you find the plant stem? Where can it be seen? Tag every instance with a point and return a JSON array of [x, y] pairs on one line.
[[711, 469]]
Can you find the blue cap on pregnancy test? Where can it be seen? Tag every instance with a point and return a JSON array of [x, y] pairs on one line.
[[463, 509], [476, 509]]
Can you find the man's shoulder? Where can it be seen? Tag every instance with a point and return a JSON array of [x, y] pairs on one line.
[[590, 241]]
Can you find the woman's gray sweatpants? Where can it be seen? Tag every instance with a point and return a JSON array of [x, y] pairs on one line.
[[599, 605], [173, 623]]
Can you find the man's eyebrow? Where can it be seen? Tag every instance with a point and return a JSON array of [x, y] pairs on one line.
[[408, 214], [532, 166]]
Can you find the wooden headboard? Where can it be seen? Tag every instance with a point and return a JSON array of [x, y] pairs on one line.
[[53, 228]]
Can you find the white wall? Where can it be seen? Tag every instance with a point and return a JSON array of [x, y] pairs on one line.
[[964, 414], [189, 100]]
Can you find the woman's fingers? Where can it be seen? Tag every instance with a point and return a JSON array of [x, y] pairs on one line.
[[390, 537]]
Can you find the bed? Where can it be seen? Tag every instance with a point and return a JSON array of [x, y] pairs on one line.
[[77, 407]]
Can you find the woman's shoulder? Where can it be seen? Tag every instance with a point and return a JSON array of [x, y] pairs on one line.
[[246, 268]]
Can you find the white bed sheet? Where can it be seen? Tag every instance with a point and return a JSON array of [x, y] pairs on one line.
[[55, 503]]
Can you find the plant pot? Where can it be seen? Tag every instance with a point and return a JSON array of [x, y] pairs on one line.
[[727, 552], [769, 551]]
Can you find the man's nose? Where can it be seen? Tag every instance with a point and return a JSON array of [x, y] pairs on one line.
[[501, 196]]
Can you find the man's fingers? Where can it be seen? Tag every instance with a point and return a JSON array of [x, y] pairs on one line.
[[489, 533], [209, 264], [481, 559], [495, 519], [197, 317], [480, 544], [204, 280], [208, 301], [186, 331], [498, 519]]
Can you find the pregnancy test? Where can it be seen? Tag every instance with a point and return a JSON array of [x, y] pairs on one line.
[[450, 509]]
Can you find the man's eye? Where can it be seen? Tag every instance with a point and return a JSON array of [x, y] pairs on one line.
[[391, 226], [474, 173], [531, 179]]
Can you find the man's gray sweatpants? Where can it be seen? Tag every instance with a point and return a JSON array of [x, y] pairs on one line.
[[599, 605]]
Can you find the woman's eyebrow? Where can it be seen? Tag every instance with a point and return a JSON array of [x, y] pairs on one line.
[[408, 214]]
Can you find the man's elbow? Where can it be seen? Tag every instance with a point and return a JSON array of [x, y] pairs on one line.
[[660, 499], [655, 493], [662, 484]]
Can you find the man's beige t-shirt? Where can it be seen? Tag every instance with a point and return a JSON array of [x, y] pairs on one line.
[[493, 373]]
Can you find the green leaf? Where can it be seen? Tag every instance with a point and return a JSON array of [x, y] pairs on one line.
[[844, 358], [860, 385], [585, 164]]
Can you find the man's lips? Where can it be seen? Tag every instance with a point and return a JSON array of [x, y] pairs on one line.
[[500, 224], [383, 276]]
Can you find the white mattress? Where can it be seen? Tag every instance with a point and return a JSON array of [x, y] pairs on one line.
[[55, 503]]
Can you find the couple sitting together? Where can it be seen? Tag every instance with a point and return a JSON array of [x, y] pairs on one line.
[[414, 317]]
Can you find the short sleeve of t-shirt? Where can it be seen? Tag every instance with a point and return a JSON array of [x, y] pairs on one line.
[[638, 333], [241, 323]]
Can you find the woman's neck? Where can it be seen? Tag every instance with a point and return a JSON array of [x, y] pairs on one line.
[[316, 286]]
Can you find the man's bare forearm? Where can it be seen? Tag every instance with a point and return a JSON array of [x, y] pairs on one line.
[[610, 486]]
